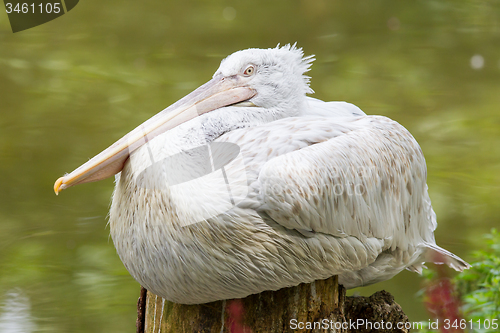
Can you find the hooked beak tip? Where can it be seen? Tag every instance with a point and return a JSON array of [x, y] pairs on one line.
[[57, 185]]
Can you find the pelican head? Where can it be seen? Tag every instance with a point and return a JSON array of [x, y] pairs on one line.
[[269, 81], [277, 75]]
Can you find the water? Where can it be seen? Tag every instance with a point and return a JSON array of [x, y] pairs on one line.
[[73, 86]]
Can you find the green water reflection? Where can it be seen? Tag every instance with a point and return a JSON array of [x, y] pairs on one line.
[[71, 87]]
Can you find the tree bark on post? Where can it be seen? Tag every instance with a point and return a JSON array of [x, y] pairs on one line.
[[286, 310]]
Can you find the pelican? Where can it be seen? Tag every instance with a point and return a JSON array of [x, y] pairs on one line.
[[247, 184]]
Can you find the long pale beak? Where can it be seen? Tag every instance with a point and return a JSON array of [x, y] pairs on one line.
[[216, 93]]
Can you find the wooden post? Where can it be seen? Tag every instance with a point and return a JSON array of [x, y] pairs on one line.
[[284, 310]]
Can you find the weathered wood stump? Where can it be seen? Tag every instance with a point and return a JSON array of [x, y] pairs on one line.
[[321, 306]]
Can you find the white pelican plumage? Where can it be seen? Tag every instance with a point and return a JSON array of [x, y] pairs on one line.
[[247, 185]]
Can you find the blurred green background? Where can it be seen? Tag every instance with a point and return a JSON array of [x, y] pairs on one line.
[[71, 87]]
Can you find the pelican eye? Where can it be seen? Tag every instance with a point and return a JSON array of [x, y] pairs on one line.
[[249, 71]]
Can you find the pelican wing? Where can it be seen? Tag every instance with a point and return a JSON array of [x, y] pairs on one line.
[[367, 180], [351, 176]]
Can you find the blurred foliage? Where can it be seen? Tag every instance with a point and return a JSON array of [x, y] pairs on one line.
[[478, 287], [71, 87]]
